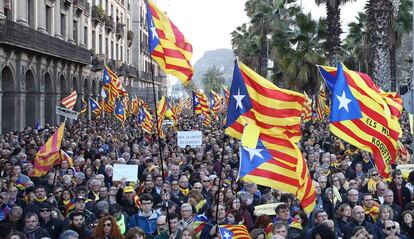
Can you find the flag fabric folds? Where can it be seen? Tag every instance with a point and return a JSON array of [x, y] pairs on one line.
[[167, 45], [200, 222], [84, 106], [161, 110], [49, 153], [226, 94], [147, 124], [66, 157], [196, 104], [214, 102], [70, 100], [322, 109], [255, 100], [234, 232], [307, 109], [276, 162], [120, 112], [94, 107], [363, 115]]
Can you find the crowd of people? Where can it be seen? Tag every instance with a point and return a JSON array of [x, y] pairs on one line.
[[79, 199]]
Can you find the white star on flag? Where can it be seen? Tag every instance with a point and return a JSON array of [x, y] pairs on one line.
[[154, 31], [239, 99], [254, 152], [196, 100], [343, 101], [227, 235]]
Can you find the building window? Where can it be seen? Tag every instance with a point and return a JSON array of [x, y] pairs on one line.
[[122, 53], [117, 51], [49, 13], [107, 47], [107, 7], [31, 13], [112, 50], [75, 31], [85, 36], [100, 44], [94, 41], [128, 56], [63, 25]]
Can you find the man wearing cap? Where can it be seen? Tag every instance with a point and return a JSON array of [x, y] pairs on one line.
[[127, 198], [52, 225], [80, 208]]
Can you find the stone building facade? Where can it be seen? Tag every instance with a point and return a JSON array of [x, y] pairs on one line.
[[48, 48]]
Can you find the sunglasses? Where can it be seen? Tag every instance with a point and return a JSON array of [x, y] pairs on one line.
[[44, 210], [374, 174], [108, 224], [390, 228]]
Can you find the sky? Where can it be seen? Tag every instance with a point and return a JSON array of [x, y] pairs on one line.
[[207, 24]]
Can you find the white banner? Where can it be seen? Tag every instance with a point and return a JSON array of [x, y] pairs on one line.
[[67, 113], [130, 172], [192, 138]]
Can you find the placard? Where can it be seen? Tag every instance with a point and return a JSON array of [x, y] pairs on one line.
[[267, 209], [67, 113], [130, 172], [192, 138]]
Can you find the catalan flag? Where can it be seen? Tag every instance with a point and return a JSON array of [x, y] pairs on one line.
[[200, 222], [120, 112], [94, 107], [147, 123], [226, 94], [255, 100], [322, 109], [167, 45], [234, 232], [70, 100], [307, 109], [363, 115], [175, 112], [276, 162], [84, 107], [403, 154], [196, 104], [207, 119], [49, 153], [202, 99], [161, 109], [66, 157], [187, 103], [214, 102]]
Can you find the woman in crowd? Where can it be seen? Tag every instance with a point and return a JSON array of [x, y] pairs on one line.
[[107, 229]]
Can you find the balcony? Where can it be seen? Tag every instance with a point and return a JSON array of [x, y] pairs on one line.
[[78, 6], [98, 14], [109, 24], [66, 3], [119, 30], [17, 35], [98, 62], [131, 71]]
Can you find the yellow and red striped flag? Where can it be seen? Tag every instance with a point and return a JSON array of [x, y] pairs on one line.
[[215, 102], [322, 109], [49, 153], [161, 109], [234, 232], [226, 93], [187, 103], [70, 100], [147, 124], [84, 107], [307, 109], [363, 115], [167, 45], [66, 157], [255, 100]]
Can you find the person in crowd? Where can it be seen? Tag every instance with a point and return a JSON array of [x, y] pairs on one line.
[[343, 216], [107, 229], [407, 225], [358, 219], [52, 225], [146, 218], [135, 233], [32, 228]]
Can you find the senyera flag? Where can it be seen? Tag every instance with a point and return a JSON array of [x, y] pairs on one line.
[[49, 154], [70, 100], [363, 115], [167, 45]]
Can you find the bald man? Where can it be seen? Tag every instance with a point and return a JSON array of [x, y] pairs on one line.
[[358, 219]]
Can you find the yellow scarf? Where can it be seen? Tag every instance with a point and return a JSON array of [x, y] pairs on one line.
[[184, 191], [373, 211], [372, 185], [40, 200], [200, 205]]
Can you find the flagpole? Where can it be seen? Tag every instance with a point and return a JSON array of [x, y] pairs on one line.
[[159, 139], [219, 186]]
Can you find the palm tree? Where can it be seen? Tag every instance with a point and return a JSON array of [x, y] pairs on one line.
[[245, 45], [379, 27], [402, 23], [212, 79], [333, 18], [299, 48], [355, 45]]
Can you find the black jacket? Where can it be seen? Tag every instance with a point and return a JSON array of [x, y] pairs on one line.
[[53, 227], [348, 230]]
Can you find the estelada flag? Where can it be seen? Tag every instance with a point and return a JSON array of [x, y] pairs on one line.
[[167, 45], [363, 115]]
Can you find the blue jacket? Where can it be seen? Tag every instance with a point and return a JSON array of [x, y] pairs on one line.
[[148, 224]]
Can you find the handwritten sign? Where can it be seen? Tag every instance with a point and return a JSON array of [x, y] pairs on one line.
[[267, 209], [130, 172], [192, 138], [67, 113]]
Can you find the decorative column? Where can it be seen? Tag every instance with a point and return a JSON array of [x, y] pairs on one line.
[[2, 16], [70, 24], [41, 16], [42, 109], [21, 12], [57, 26]]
